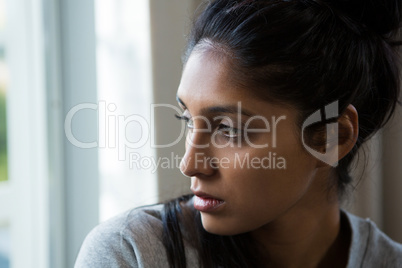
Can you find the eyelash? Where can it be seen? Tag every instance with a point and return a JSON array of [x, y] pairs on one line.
[[221, 128], [225, 128], [185, 119]]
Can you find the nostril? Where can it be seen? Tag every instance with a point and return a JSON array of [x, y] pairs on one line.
[[184, 167], [184, 174]]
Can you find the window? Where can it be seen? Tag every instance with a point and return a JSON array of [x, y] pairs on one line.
[[4, 246], [4, 219], [3, 88], [124, 95]]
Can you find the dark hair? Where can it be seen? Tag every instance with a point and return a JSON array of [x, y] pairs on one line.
[[213, 250], [306, 53]]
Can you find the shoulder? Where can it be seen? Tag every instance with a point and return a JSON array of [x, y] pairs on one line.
[[370, 247], [131, 239]]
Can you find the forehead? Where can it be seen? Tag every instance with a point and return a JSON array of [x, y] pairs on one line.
[[205, 77], [206, 82]]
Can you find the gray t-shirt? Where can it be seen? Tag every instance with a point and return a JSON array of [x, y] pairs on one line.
[[133, 239]]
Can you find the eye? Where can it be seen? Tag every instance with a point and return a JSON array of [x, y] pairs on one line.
[[229, 132], [188, 120]]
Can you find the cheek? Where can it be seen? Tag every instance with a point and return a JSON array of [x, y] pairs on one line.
[[260, 185], [257, 196], [256, 189]]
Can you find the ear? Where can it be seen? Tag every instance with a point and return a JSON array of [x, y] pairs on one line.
[[342, 140], [348, 131]]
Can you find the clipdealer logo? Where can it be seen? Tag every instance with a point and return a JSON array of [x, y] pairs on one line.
[[330, 111], [111, 122], [107, 119]]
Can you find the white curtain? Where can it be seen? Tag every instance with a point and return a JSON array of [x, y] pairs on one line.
[[378, 196]]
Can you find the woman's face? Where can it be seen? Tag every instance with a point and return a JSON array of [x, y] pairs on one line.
[[246, 163]]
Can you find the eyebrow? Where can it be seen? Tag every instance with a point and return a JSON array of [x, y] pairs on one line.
[[228, 109]]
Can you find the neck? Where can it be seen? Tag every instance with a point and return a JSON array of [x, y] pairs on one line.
[[308, 235]]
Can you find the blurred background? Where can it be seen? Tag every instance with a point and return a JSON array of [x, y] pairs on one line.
[[78, 130]]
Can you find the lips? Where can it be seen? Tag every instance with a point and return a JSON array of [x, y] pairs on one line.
[[205, 202], [205, 195]]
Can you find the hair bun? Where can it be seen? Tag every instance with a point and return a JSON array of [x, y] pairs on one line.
[[381, 16]]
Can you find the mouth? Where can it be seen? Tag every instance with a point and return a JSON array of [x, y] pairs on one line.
[[205, 202]]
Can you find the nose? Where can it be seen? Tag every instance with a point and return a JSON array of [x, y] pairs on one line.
[[198, 158]]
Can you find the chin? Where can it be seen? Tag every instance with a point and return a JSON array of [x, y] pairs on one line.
[[217, 226]]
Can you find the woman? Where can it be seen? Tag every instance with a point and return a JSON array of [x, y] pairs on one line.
[[278, 96]]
